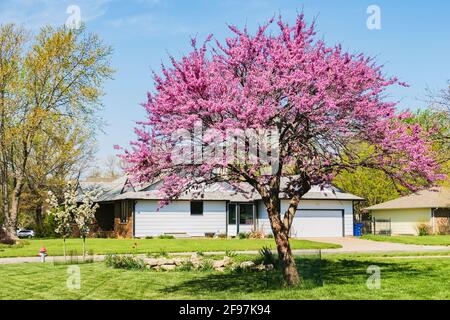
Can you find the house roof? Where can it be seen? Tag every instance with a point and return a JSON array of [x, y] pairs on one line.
[[120, 190], [438, 197]]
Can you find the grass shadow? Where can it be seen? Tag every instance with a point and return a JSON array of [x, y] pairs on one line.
[[314, 272]]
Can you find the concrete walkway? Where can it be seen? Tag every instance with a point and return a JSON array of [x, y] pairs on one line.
[[349, 245]]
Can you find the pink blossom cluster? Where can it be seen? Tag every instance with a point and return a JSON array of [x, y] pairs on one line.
[[322, 100]]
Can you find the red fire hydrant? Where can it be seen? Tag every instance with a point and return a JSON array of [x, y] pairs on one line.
[[43, 253]]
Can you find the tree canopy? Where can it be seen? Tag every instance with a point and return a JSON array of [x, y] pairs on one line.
[[50, 90], [315, 101]]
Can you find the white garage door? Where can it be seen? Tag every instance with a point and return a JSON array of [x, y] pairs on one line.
[[317, 223]]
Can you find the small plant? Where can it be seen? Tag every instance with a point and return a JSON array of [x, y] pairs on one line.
[[148, 237], [267, 256], [135, 247], [443, 228], [243, 235], [222, 236], [166, 236], [423, 229], [206, 265], [124, 262], [270, 236], [199, 253], [230, 253], [186, 266], [163, 253], [256, 234]]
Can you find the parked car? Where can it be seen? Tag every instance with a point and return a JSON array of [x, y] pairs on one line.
[[25, 233]]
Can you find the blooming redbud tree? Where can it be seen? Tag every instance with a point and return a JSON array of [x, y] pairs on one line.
[[313, 102]]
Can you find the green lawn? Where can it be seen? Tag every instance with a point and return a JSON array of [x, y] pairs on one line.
[[339, 278], [104, 246], [423, 240]]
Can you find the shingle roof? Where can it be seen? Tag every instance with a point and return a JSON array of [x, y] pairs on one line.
[[109, 190], [438, 197], [118, 190]]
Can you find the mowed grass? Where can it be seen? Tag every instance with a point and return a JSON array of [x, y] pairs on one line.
[[438, 240], [339, 278], [104, 246]]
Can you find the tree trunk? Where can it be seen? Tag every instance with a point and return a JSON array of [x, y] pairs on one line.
[[38, 219], [84, 249], [64, 248], [11, 218], [288, 266], [281, 235]]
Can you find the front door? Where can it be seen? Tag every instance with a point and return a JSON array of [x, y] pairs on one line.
[[240, 218]]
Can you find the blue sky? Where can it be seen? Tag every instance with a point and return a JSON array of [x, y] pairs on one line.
[[413, 42]]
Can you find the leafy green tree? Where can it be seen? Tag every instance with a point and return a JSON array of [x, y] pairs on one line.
[[374, 185], [49, 86]]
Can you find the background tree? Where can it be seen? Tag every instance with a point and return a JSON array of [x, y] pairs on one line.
[[109, 168], [56, 82], [374, 185], [318, 99], [72, 150]]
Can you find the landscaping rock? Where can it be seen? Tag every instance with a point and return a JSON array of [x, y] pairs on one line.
[[269, 267], [260, 267], [151, 262], [179, 261], [247, 264], [218, 264], [166, 262], [168, 267], [227, 261], [195, 260]]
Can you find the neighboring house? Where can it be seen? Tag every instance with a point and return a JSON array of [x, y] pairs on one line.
[[406, 213], [127, 211]]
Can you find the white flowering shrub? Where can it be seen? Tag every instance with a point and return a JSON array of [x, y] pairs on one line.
[[69, 212]]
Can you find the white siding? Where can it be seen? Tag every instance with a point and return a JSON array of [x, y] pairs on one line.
[[346, 205], [176, 218], [404, 221]]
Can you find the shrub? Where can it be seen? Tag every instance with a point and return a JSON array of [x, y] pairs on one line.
[[166, 236], [255, 234], [206, 265], [443, 228], [243, 235], [124, 262], [186, 266], [267, 256], [230, 253], [270, 236], [222, 236], [423, 229], [148, 237]]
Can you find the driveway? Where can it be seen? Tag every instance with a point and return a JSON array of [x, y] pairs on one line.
[[356, 245]]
